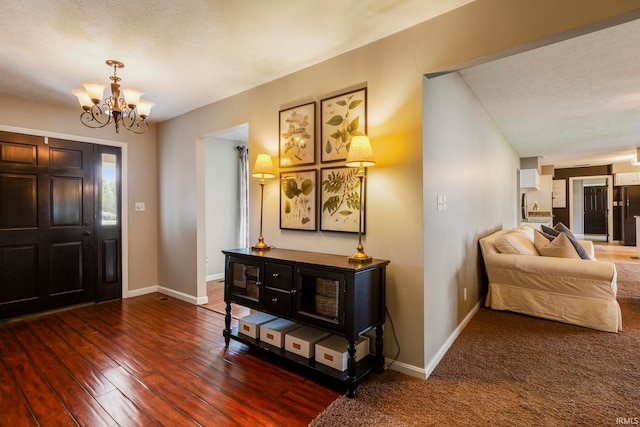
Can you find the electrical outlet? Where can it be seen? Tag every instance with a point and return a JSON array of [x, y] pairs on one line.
[[464, 294]]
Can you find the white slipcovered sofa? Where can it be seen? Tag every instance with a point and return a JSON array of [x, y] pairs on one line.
[[576, 291]]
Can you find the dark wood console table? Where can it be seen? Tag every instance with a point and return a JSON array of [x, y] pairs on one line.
[[324, 291]]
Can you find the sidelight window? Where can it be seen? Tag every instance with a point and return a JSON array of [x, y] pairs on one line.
[[109, 189]]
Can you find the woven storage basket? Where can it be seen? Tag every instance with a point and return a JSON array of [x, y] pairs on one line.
[[252, 290], [326, 287], [327, 307]]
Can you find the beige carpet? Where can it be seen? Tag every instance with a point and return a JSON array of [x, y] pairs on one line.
[[507, 369], [628, 281]]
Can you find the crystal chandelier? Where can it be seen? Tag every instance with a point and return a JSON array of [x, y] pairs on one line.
[[129, 111]]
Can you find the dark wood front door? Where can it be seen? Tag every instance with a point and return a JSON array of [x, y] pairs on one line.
[[48, 250], [595, 210]]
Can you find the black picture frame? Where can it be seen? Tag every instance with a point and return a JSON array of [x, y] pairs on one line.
[[341, 118], [298, 200], [340, 200], [297, 136]]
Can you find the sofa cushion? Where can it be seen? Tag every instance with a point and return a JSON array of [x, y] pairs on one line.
[[561, 228], [559, 247], [516, 243]]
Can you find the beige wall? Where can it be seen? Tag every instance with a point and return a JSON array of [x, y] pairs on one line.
[[467, 159], [392, 69], [20, 115], [624, 167]]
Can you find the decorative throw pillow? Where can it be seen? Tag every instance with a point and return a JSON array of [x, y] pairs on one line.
[[559, 247], [561, 228], [550, 231], [516, 243], [548, 236]]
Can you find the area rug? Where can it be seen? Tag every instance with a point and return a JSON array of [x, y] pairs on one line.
[[507, 369], [628, 280]]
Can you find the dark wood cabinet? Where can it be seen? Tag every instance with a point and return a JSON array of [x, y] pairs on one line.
[[324, 291]]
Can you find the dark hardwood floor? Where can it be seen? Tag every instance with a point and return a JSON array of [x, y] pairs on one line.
[[215, 295], [148, 360]]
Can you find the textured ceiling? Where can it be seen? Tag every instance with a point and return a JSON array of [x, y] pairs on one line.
[[576, 102], [189, 53]]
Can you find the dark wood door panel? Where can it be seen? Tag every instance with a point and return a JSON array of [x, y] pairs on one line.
[[66, 197], [18, 273], [18, 201], [110, 260], [18, 153], [66, 158], [65, 266]]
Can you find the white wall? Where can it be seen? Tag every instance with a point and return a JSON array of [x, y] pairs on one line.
[[468, 160], [222, 202]]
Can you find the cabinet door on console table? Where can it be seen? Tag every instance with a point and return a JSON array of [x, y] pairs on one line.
[[318, 298], [243, 281]]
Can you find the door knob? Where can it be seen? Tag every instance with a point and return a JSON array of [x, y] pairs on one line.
[[88, 232]]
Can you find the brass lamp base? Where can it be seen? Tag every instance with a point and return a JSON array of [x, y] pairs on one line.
[[261, 245], [359, 255]]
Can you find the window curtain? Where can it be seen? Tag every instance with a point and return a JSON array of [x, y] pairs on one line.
[[243, 175]]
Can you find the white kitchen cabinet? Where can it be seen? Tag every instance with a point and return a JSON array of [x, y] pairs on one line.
[[627, 178], [530, 179]]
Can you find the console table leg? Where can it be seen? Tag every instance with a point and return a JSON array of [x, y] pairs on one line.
[[351, 369], [379, 349], [227, 324]]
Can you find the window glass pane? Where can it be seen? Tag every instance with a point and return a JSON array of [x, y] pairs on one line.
[[109, 190]]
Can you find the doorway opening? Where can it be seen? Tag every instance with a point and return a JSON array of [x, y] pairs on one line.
[[221, 193], [591, 207]]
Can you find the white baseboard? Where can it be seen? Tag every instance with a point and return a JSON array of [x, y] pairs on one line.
[[178, 295], [412, 371], [421, 373], [182, 296], [445, 347], [143, 291], [215, 277]]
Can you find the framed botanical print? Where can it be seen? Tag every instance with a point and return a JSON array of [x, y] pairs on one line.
[[298, 135], [340, 200], [298, 200], [342, 117]]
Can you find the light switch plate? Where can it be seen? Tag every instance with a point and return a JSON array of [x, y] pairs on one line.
[[140, 207]]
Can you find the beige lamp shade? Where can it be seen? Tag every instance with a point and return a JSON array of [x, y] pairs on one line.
[[95, 90], [144, 107], [263, 168], [360, 153], [83, 97], [131, 96]]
